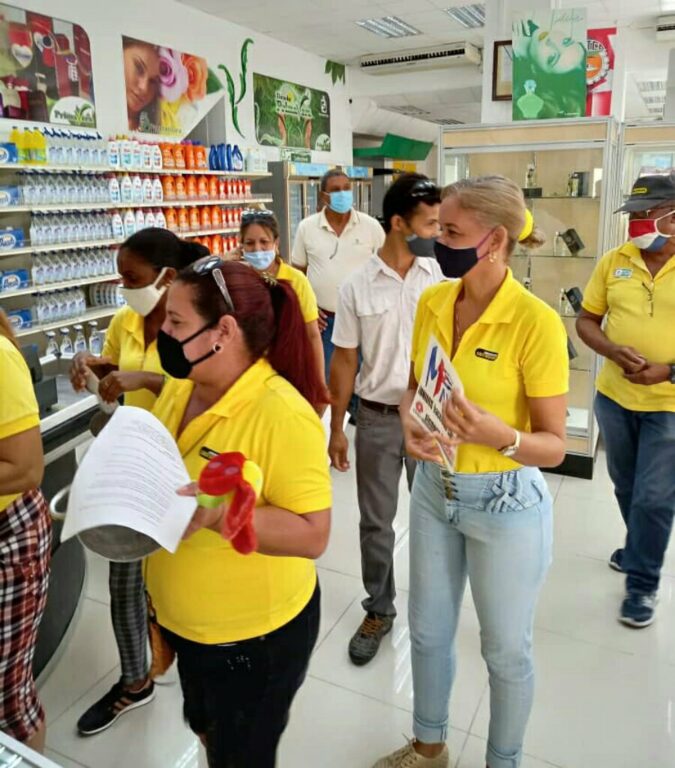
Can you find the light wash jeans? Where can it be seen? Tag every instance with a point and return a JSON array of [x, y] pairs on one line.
[[497, 530]]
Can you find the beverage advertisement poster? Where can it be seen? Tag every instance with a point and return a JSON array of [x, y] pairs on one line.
[[167, 92], [599, 71], [549, 64], [290, 115], [45, 69]]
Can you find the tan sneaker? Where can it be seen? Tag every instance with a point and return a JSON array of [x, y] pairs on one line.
[[406, 757]]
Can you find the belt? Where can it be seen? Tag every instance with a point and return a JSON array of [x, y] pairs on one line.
[[327, 313], [379, 407]]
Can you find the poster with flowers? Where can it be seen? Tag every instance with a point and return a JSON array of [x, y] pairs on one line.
[[168, 92]]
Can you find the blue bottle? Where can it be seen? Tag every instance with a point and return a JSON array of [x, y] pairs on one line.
[[237, 160], [230, 163], [213, 158]]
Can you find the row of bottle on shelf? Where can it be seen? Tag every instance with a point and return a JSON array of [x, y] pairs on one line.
[[55, 147], [59, 268], [127, 190], [64, 346]]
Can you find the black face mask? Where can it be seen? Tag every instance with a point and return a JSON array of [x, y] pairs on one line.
[[172, 357], [421, 246], [456, 262]]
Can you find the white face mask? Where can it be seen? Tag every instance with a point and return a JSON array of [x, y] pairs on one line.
[[144, 300]]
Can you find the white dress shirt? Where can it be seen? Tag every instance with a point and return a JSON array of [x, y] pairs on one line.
[[376, 312], [330, 259]]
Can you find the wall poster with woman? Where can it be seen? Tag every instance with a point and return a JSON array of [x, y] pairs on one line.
[[549, 64], [168, 92]]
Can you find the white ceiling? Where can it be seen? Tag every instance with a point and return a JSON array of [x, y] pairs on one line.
[[327, 28]]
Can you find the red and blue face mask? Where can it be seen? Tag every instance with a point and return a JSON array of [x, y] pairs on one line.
[[646, 235]]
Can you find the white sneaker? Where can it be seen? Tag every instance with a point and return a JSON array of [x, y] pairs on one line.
[[406, 757]]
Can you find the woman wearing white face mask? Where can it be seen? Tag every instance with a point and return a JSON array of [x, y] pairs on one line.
[[259, 235], [148, 263]]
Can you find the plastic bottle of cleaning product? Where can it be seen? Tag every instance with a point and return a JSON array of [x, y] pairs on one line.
[[146, 156], [156, 157], [114, 191], [66, 345], [117, 225], [52, 345], [228, 161], [126, 153], [136, 155], [160, 219], [140, 220], [80, 344], [137, 189], [157, 190], [150, 219], [147, 190], [213, 158], [237, 159], [114, 153], [95, 344], [39, 147], [129, 224], [15, 138], [126, 189]]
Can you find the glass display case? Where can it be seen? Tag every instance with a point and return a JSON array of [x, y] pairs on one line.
[[567, 170], [647, 148]]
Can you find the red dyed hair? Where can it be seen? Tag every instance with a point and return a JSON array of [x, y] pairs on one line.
[[270, 318]]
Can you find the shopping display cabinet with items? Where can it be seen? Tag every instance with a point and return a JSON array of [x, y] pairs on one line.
[[566, 170], [646, 149]]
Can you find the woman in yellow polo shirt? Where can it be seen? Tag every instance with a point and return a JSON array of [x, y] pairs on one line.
[[259, 234], [25, 545], [491, 521], [147, 262], [243, 626]]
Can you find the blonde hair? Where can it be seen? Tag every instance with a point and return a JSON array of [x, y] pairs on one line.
[[6, 329], [496, 201]]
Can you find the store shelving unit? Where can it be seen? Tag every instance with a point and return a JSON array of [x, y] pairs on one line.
[[540, 156]]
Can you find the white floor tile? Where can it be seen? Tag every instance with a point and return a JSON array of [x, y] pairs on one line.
[[90, 654], [367, 729], [338, 592], [388, 677], [597, 707], [62, 761], [473, 756], [96, 586]]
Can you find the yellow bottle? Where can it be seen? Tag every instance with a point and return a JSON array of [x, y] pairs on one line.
[[39, 147], [27, 147]]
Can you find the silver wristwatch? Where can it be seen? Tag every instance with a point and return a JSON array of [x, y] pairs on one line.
[[512, 450]]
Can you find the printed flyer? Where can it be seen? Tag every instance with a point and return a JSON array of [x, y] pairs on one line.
[[290, 115], [45, 69]]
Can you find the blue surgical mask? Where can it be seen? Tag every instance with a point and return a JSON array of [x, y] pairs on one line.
[[259, 260], [341, 202]]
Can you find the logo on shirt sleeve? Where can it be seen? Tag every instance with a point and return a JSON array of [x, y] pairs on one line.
[[486, 354], [623, 272]]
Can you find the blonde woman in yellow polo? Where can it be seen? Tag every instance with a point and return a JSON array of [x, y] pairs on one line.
[[493, 522]]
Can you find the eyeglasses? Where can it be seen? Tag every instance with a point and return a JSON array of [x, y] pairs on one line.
[[424, 188], [211, 265], [650, 297], [256, 214]]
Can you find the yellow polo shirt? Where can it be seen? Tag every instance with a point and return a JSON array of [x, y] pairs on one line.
[[19, 410], [303, 290], [620, 288], [207, 592], [125, 345], [516, 350]]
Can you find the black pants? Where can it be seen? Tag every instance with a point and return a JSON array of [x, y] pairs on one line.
[[238, 696]]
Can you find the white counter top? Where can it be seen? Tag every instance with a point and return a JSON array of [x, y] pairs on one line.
[[71, 404]]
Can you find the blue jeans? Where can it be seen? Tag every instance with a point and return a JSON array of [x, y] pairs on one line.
[[641, 462], [497, 530], [328, 347]]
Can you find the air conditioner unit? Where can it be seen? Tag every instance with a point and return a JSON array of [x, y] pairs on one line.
[[438, 57], [665, 28]]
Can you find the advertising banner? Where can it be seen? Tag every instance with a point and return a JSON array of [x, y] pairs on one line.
[[549, 64], [45, 69], [290, 115], [168, 92], [599, 72]]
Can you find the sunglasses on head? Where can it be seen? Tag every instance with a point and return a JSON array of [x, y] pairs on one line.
[[211, 265], [423, 188], [253, 214]]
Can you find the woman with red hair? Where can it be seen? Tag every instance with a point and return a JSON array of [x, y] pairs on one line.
[[242, 626]]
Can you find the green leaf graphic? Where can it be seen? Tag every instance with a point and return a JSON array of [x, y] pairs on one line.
[[244, 68], [213, 83]]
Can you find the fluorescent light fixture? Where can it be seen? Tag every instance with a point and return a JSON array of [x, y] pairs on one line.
[[651, 86], [388, 26], [654, 99], [468, 16]]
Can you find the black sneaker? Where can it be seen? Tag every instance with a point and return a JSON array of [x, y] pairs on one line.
[[638, 610], [616, 560], [366, 642], [108, 709]]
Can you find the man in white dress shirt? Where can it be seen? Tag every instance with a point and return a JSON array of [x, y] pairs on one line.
[[331, 244], [376, 312]]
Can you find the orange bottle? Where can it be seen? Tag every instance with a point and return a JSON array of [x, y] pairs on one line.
[[203, 188], [216, 245], [207, 242], [168, 161], [205, 218], [201, 160], [247, 189], [191, 188], [181, 189], [190, 156], [213, 187], [179, 156], [183, 220], [194, 219], [172, 219], [169, 187], [216, 217]]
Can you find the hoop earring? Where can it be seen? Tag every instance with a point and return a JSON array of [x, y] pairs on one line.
[[217, 347]]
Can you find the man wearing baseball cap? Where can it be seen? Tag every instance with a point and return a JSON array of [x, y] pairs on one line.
[[628, 317]]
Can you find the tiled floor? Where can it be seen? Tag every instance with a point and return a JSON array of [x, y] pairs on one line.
[[604, 693]]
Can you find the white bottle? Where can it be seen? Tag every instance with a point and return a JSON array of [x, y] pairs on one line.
[[126, 153], [136, 155], [137, 190], [140, 220], [146, 155], [156, 157], [157, 190], [80, 340], [95, 344], [52, 345], [126, 190], [117, 226], [129, 224], [147, 190], [35, 231], [114, 191], [160, 219], [150, 220], [114, 154], [66, 346]]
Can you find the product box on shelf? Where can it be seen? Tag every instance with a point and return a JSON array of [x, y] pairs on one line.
[[9, 196], [11, 238], [13, 279], [20, 319], [8, 153]]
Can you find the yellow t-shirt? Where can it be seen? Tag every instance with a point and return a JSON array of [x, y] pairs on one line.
[[207, 592], [19, 410], [303, 290], [517, 349], [125, 345], [640, 313]]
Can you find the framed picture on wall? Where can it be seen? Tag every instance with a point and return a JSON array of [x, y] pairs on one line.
[[502, 71]]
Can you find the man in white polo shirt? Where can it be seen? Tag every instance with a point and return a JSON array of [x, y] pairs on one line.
[[376, 313], [331, 244]]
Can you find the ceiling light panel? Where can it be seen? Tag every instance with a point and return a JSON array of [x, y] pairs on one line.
[[388, 27], [468, 16]]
